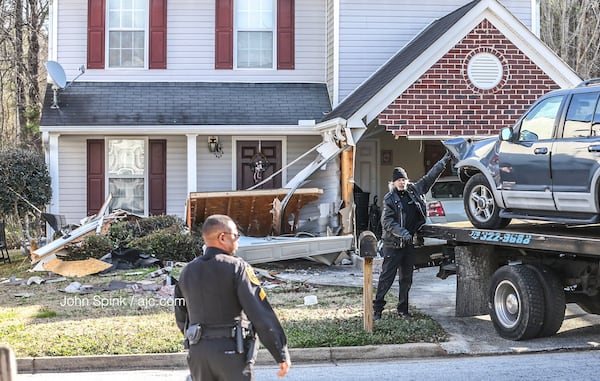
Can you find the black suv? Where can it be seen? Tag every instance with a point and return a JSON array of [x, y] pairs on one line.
[[545, 167]]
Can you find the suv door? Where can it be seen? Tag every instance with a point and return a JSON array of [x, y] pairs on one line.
[[524, 161], [576, 155]]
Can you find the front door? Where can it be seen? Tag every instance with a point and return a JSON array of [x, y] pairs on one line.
[[257, 160]]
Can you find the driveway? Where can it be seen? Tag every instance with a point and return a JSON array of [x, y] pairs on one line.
[[468, 335]]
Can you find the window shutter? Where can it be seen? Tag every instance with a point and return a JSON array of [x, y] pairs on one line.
[[95, 175], [157, 177], [224, 34], [285, 34], [95, 37], [158, 34]]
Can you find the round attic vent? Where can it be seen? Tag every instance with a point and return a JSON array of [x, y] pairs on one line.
[[484, 70]]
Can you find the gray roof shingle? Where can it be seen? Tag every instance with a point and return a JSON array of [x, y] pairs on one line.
[[396, 64], [185, 103]]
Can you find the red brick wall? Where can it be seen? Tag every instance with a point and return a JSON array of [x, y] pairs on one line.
[[443, 102]]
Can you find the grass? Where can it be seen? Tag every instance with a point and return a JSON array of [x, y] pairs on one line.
[[52, 323]]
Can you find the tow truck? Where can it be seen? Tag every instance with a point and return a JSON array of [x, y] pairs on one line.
[[522, 275]]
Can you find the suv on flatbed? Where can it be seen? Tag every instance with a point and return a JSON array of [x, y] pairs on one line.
[[545, 167]]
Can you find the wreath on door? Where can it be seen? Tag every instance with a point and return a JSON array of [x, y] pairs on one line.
[[259, 164]]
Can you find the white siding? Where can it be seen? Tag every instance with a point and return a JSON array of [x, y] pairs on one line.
[[190, 46], [176, 174], [72, 177], [371, 32], [214, 174]]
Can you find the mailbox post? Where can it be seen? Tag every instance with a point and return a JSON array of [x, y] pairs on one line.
[[367, 249]]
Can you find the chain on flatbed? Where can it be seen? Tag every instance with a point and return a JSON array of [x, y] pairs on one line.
[[580, 240]]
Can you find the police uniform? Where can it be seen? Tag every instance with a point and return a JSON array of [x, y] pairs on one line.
[[218, 290]]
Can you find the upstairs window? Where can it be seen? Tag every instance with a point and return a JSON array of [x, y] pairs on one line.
[[127, 33], [254, 33], [127, 25]]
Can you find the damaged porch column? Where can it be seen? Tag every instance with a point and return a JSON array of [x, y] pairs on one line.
[[475, 266]]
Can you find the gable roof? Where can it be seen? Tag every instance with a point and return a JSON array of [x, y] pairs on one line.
[[185, 103], [405, 67], [397, 63]]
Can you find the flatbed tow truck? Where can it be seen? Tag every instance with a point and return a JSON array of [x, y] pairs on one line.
[[522, 275]]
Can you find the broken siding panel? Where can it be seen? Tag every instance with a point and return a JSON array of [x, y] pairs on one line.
[[326, 179], [72, 177]]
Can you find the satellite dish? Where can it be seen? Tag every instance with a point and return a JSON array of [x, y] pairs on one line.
[[57, 74], [59, 79]]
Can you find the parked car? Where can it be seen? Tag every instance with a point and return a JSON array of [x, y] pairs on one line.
[[445, 201], [545, 167]]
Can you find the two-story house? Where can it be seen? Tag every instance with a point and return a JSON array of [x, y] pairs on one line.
[[185, 96]]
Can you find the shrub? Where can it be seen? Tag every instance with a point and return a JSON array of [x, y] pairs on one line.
[[91, 246], [162, 236], [172, 244]]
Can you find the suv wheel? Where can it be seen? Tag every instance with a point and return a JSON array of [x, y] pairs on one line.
[[480, 205]]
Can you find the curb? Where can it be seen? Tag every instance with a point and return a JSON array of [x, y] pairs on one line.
[[178, 360]]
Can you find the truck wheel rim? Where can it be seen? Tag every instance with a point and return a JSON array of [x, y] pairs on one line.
[[481, 203], [507, 304]]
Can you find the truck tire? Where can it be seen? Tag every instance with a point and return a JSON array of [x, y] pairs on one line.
[[554, 300], [516, 302], [480, 205]]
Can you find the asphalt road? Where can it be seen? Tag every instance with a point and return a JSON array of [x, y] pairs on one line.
[[557, 366]]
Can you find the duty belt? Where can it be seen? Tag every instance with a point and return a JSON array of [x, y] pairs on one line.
[[195, 332], [217, 332]]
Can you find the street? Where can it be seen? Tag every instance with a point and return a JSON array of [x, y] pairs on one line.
[[539, 366]]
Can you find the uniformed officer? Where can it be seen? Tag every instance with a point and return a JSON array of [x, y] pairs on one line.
[[216, 292]]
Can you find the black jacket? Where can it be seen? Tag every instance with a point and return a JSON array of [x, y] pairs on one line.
[[393, 217]]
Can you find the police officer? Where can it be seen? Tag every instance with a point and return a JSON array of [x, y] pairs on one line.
[[404, 211], [217, 294]]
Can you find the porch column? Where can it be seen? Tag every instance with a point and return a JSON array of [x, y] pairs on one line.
[[51, 153], [192, 176]]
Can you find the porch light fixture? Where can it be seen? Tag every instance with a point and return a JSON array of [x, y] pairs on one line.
[[214, 146]]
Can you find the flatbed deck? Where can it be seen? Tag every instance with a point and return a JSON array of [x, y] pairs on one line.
[[580, 240]]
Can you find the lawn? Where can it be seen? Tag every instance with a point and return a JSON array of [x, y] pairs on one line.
[[43, 320]]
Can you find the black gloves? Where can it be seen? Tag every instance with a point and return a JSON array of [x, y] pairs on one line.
[[447, 156], [405, 235]]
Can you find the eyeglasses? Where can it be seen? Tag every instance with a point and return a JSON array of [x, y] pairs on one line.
[[236, 236]]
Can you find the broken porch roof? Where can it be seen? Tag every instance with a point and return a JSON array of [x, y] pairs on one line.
[[185, 103]]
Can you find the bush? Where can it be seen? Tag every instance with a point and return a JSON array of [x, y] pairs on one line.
[[162, 236], [92, 246], [122, 233], [171, 243]]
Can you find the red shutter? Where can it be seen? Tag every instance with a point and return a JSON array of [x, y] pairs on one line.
[[224, 34], [158, 34], [95, 176], [95, 37], [285, 34], [157, 177]]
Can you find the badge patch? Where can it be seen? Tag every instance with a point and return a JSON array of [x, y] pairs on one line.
[[262, 294], [252, 276]]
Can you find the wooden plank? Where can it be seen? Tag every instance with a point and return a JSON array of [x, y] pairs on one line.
[[251, 210]]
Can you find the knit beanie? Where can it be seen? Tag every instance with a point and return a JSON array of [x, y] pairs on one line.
[[399, 173]]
